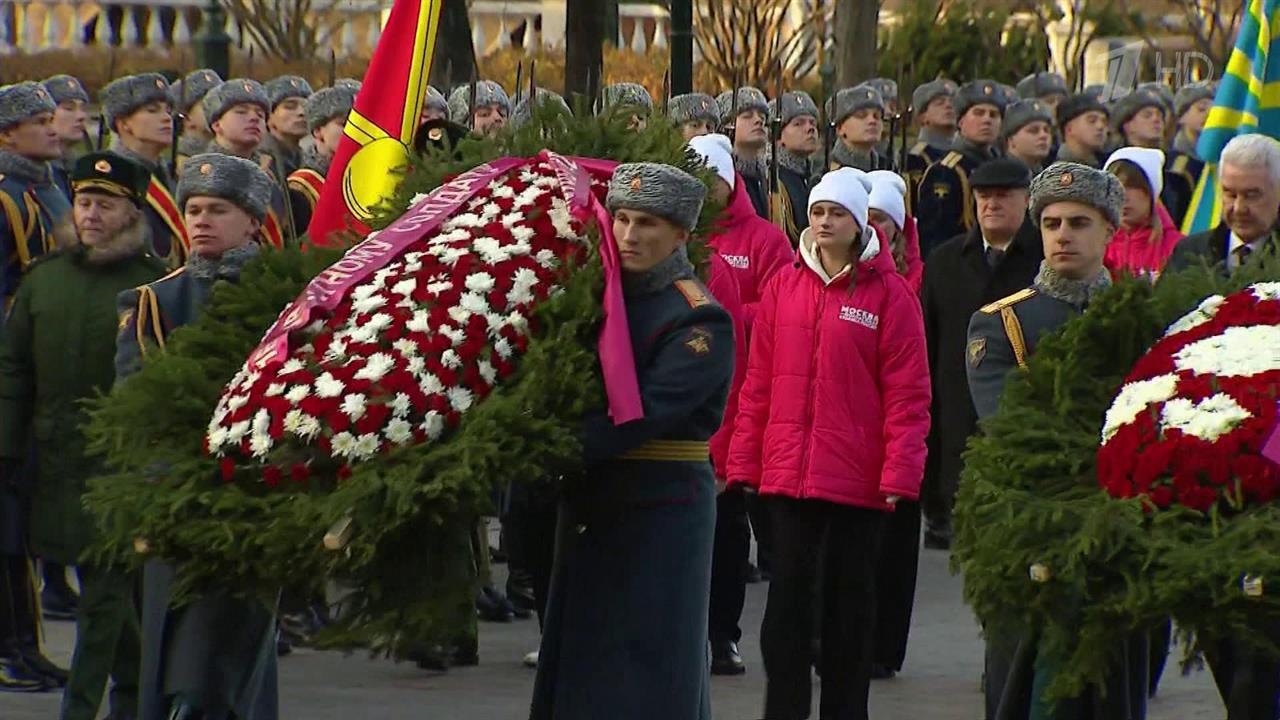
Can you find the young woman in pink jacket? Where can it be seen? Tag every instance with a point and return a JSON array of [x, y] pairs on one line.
[[830, 432], [1147, 234]]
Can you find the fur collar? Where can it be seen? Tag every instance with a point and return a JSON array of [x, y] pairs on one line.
[[23, 168], [798, 164], [675, 267], [848, 157], [1076, 293], [227, 267], [972, 150], [189, 145], [154, 167], [313, 160], [755, 169], [130, 242]]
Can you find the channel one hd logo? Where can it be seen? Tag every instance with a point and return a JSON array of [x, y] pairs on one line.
[[1125, 66]]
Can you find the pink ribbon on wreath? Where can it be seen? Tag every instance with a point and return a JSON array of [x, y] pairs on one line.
[[1271, 448]]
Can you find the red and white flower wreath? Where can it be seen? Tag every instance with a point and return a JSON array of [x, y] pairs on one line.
[[1189, 424], [411, 349]]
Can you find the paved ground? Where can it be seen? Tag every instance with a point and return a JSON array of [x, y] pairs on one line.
[[940, 681]]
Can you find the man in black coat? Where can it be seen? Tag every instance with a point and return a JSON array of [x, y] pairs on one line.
[[999, 256]]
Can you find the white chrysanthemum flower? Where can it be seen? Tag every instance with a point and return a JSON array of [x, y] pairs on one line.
[[460, 398], [252, 379], [235, 402], [547, 259], [522, 233], [474, 303], [260, 444], [561, 219], [297, 393], [314, 328], [495, 323], [399, 431], [290, 366], [418, 197], [481, 282], [512, 218], [400, 405], [452, 255], [456, 335], [405, 347], [439, 286], [1208, 419], [488, 372], [519, 322], [308, 428], [522, 283], [405, 287], [490, 250], [380, 322], [503, 348], [337, 348], [450, 359], [261, 421], [1237, 352], [377, 366], [328, 386], [293, 421], [432, 424], [414, 256], [528, 197], [366, 446], [217, 438], [465, 220], [1203, 313], [237, 431], [490, 211], [420, 322], [353, 406], [458, 314], [344, 443], [416, 364], [1134, 399], [430, 384], [368, 305], [546, 181], [364, 334], [506, 191], [518, 248], [363, 292]]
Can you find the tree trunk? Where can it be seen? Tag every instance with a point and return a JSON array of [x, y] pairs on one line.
[[455, 54], [584, 52], [855, 39]]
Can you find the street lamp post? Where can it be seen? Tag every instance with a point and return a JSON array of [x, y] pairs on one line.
[[213, 46]]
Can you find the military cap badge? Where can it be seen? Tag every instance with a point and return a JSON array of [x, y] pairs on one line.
[[102, 166]]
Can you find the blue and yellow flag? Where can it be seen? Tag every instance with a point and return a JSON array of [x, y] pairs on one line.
[[1248, 101]]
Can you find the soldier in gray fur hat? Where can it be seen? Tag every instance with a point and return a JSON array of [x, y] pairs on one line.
[[1048, 87], [187, 95], [1028, 133], [694, 114], [214, 657], [797, 150], [641, 498], [31, 206], [935, 116], [327, 111], [352, 82], [525, 108], [69, 122], [750, 138], [1077, 210], [858, 116], [287, 121], [492, 107], [237, 112], [1139, 119], [436, 105], [627, 97], [1183, 165], [122, 97]]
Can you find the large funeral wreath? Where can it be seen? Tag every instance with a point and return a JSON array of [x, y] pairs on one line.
[[464, 363], [1122, 481]]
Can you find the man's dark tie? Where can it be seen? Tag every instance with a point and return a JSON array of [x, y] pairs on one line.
[[1242, 254], [994, 256]]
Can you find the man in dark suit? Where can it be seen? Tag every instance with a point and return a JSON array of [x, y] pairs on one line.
[[1000, 255], [1249, 185]]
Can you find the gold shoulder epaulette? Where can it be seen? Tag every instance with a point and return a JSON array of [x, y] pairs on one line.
[[1180, 165], [1009, 301], [692, 292], [170, 276], [918, 148], [952, 159]]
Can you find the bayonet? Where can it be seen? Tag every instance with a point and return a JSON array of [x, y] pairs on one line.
[[733, 106], [519, 78], [666, 92], [775, 135], [471, 101], [333, 68], [102, 115]]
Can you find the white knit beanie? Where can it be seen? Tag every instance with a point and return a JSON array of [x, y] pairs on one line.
[[889, 195], [717, 152], [849, 188], [1149, 160]]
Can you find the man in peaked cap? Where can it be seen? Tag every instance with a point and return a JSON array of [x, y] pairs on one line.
[[1182, 163], [69, 122], [858, 115], [944, 203], [492, 107], [1139, 119], [287, 123], [1082, 122], [326, 112], [642, 520], [65, 305], [797, 147], [625, 98], [935, 116], [187, 97], [1028, 133], [31, 206], [694, 114], [750, 138], [1077, 209], [139, 112], [1048, 87], [436, 105], [213, 657]]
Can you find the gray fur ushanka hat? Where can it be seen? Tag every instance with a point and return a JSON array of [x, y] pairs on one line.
[[234, 179], [691, 107], [795, 103], [191, 89], [22, 101], [488, 92], [749, 98], [626, 94], [122, 97], [285, 87], [1073, 182], [65, 87], [661, 190], [327, 104], [239, 91]]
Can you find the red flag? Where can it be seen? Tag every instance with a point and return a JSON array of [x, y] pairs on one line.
[[374, 150]]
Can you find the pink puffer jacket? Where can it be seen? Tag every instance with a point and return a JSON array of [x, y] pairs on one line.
[[1137, 252], [835, 405], [723, 286], [755, 248]]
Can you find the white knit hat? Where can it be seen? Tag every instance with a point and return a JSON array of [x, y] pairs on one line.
[[717, 153], [1149, 160], [847, 187], [889, 195]]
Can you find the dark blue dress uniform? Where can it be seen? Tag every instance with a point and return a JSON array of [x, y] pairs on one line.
[[944, 200], [31, 204], [169, 240], [1181, 174], [919, 158], [218, 652], [626, 628]]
